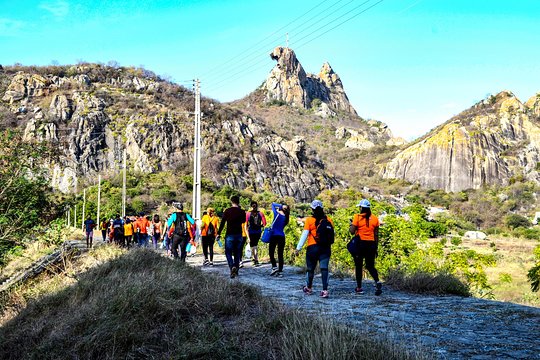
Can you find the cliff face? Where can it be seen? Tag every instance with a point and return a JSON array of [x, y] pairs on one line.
[[289, 82], [487, 144], [91, 113]]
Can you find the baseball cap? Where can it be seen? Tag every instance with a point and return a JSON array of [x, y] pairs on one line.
[[178, 205], [364, 203], [316, 203]]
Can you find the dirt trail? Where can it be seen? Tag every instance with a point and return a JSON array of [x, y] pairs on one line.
[[455, 327]]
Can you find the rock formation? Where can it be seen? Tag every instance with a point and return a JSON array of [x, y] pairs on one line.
[[487, 144], [96, 112], [364, 139], [289, 82]]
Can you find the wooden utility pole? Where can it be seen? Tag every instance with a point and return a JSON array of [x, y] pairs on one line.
[[197, 154], [83, 208], [124, 186], [98, 198]]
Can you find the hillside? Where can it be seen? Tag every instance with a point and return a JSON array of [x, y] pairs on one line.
[[488, 144], [90, 113]]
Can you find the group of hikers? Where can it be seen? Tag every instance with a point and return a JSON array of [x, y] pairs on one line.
[[179, 232]]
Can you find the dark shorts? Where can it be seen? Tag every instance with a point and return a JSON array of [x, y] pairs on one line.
[[254, 239]]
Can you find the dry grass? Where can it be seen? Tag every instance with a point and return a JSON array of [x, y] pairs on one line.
[[113, 304], [509, 277], [426, 283]]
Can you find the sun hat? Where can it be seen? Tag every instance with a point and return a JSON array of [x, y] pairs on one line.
[[316, 203], [364, 203]]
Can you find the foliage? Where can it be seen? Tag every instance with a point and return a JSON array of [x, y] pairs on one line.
[[25, 200], [534, 273], [515, 220]]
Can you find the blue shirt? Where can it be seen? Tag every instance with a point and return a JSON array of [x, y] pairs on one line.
[[278, 222], [172, 219], [89, 225]]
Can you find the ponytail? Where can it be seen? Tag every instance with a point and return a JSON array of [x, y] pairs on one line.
[[367, 212]]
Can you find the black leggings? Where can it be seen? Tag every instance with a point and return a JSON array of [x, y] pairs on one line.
[[367, 250], [182, 242], [208, 247], [279, 241]]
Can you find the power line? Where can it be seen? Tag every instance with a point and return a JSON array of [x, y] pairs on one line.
[[259, 42], [305, 37], [255, 54]]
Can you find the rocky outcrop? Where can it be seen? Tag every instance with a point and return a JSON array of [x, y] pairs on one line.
[[364, 139], [93, 118], [289, 82], [485, 145]]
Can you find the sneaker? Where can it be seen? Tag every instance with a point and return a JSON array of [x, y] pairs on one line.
[[256, 263], [307, 290], [378, 291], [241, 265], [206, 262], [274, 271], [324, 294], [359, 291], [234, 272], [279, 274], [211, 263]]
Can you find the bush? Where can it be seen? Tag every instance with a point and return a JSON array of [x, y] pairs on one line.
[[427, 283], [514, 221]]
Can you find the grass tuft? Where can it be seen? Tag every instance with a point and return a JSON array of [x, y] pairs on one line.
[[427, 283]]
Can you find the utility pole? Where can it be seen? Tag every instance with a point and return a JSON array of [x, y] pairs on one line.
[[124, 186], [75, 217], [197, 154], [69, 217], [83, 208], [98, 198]]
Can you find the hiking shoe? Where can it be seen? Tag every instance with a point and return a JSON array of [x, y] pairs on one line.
[[359, 291], [307, 291], [274, 271], [234, 272], [378, 291], [324, 294]]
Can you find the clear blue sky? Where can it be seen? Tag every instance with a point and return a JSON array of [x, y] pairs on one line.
[[412, 64]]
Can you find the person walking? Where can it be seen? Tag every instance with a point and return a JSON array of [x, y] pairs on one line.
[[365, 225], [166, 239], [156, 230], [234, 217], [104, 228], [210, 224], [318, 228], [281, 219], [255, 222], [118, 230], [180, 230], [129, 229], [89, 226], [141, 230]]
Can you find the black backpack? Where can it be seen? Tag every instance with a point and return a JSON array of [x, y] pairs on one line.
[[211, 230], [180, 225], [255, 221], [325, 233]]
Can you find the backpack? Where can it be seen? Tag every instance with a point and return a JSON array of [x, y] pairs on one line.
[[255, 221], [211, 230], [325, 233], [180, 224]]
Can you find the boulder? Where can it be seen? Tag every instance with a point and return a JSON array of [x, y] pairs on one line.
[[475, 235]]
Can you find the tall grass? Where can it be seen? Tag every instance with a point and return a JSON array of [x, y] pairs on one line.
[[142, 305], [427, 283]]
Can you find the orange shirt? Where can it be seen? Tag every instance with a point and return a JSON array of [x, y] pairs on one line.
[[310, 225], [206, 220], [362, 229], [141, 224]]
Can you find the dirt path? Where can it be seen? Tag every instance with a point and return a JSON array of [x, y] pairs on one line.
[[455, 327]]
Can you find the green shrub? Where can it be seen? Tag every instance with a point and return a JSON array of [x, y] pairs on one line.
[[427, 283], [514, 221]]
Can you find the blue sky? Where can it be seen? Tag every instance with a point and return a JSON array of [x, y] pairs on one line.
[[410, 63]]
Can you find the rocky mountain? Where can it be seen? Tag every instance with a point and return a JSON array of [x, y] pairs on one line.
[[489, 143], [289, 82], [92, 113]]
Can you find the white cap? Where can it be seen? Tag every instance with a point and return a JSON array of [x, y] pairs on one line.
[[364, 203], [316, 203]]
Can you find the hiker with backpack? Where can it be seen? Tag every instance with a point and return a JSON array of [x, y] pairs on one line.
[[234, 217], [156, 230], [118, 230], [365, 226], [104, 229], [281, 219], [129, 229], [180, 231], [210, 224], [255, 222], [319, 233]]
